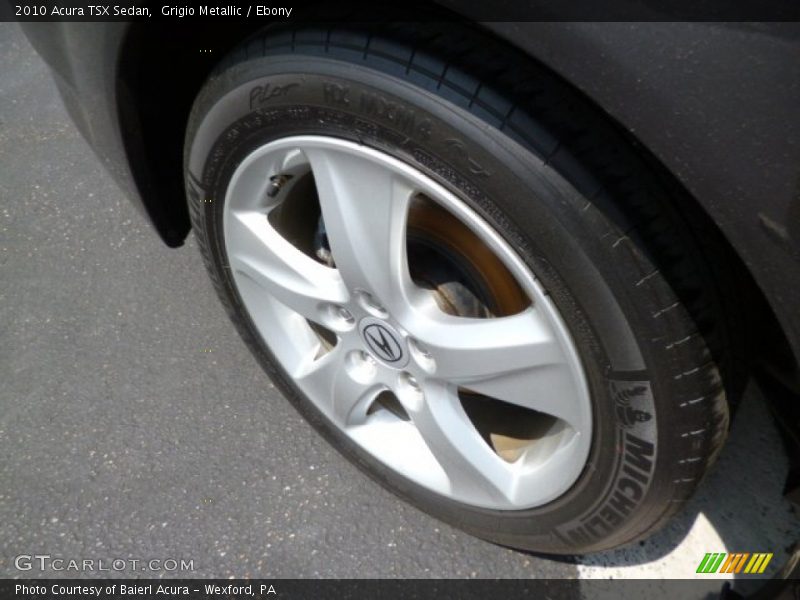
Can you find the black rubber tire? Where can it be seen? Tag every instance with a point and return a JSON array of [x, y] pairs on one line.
[[583, 211]]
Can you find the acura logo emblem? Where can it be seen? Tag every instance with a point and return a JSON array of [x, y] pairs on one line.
[[383, 341]]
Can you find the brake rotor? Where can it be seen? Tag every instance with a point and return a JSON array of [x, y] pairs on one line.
[[468, 280]]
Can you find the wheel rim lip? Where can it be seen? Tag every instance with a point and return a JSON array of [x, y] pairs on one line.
[[573, 457]]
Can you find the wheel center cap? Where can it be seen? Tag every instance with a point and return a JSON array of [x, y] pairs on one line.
[[384, 342]]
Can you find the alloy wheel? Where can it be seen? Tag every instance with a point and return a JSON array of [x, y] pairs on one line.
[[408, 321]]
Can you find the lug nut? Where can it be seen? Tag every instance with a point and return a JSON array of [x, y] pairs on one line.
[[411, 381], [336, 317], [422, 355], [345, 315], [370, 304], [423, 352], [360, 366]]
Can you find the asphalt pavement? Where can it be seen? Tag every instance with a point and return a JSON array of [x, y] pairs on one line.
[[134, 424]]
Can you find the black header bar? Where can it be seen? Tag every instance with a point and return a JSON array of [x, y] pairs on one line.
[[410, 11]]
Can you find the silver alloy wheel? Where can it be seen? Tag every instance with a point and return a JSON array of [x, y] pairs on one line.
[[386, 333]]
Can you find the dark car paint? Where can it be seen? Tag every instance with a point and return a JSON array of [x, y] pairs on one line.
[[719, 105], [84, 60], [716, 104]]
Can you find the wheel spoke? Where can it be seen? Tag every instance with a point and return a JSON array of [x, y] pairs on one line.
[[347, 397], [516, 359], [258, 251], [471, 467], [549, 389], [473, 349], [364, 206]]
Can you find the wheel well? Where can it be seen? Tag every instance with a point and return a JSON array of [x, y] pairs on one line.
[[163, 66]]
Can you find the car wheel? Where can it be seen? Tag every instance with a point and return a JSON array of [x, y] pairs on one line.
[[465, 308]]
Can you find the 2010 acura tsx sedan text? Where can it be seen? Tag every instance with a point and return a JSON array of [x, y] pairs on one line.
[[519, 273]]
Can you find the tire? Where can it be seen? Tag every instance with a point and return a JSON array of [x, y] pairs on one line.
[[559, 188]]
